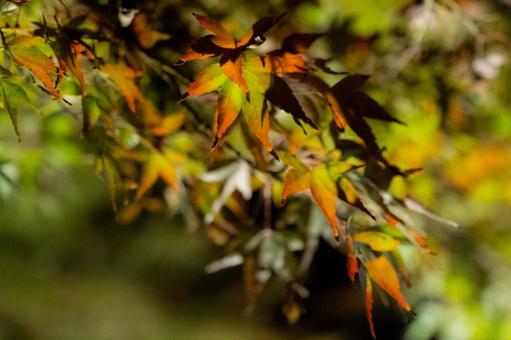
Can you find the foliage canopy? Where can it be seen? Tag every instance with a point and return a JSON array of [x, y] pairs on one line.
[[262, 144]]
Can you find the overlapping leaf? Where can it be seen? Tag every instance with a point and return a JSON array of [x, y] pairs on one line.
[[322, 188], [25, 50], [158, 165], [222, 43], [381, 271], [124, 78], [350, 106]]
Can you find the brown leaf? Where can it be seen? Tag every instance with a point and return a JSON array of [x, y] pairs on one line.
[[299, 42], [221, 37], [281, 95], [221, 42]]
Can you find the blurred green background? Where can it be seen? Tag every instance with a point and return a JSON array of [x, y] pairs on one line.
[[69, 271]]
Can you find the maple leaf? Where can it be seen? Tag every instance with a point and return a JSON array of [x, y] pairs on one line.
[[146, 37], [350, 105], [383, 273], [158, 165], [168, 124], [282, 96], [13, 96], [222, 43], [377, 241], [352, 262], [124, 77], [232, 99], [290, 58], [237, 178], [70, 56], [299, 178], [26, 52], [349, 194], [131, 211], [369, 305]]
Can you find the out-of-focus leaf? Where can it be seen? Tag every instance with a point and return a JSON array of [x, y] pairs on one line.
[[237, 177], [378, 241], [146, 37], [228, 261], [70, 55], [292, 311], [26, 52], [124, 77], [91, 112], [106, 165], [157, 165], [169, 124], [13, 96], [295, 181]]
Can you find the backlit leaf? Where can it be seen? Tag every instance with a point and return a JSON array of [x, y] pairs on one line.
[[324, 191], [230, 99], [378, 241], [369, 305], [232, 67], [352, 262], [124, 78], [383, 273], [26, 52], [210, 79], [157, 165], [295, 181]]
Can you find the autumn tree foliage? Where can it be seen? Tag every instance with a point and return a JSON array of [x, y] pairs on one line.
[[265, 147]]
